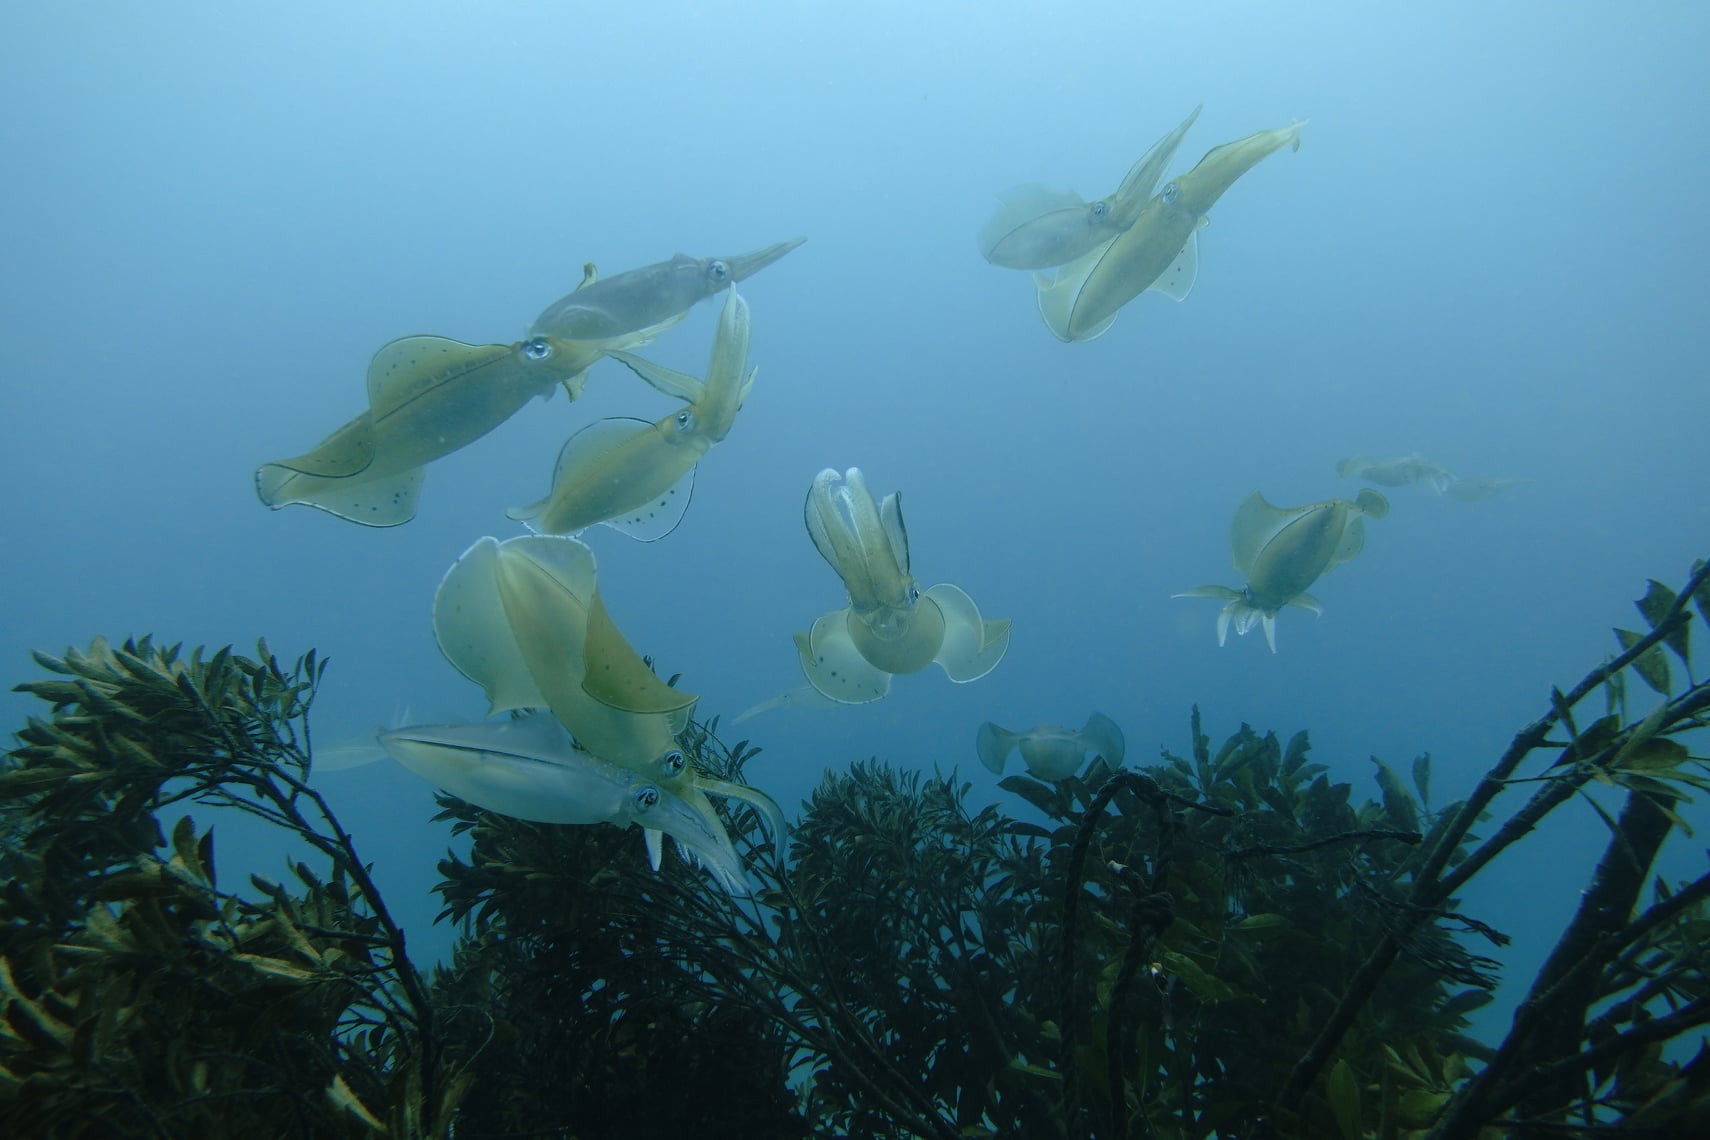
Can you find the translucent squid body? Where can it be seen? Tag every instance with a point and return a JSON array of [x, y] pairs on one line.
[[524, 620], [1416, 468], [1160, 251], [1282, 551], [889, 626], [429, 396], [653, 297], [527, 767], [1037, 227], [1051, 751], [1400, 472], [637, 476]]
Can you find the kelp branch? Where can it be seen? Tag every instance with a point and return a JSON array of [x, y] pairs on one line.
[[1605, 751], [92, 915]]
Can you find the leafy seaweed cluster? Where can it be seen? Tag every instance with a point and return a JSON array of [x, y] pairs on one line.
[[1228, 942], [138, 997]]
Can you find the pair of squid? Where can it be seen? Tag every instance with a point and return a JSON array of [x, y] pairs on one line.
[[637, 477], [429, 396], [1416, 468], [1281, 551], [597, 741], [1108, 252]]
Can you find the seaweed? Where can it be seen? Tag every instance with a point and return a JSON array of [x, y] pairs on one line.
[[1229, 941], [138, 997]]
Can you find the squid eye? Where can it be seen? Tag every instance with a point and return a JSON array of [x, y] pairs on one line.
[[1099, 210], [537, 349], [646, 798], [1171, 193], [673, 762], [685, 421], [914, 593], [718, 272]]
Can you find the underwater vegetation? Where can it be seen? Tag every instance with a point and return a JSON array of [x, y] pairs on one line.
[[1228, 942]]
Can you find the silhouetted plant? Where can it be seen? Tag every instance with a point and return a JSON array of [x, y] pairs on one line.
[[139, 998], [1227, 942], [593, 992]]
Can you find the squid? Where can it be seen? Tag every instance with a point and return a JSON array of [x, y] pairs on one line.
[[1051, 751], [527, 767], [653, 297], [890, 626], [1416, 468], [429, 396], [524, 620], [1400, 472], [635, 476], [1037, 227], [1160, 251], [1282, 551]]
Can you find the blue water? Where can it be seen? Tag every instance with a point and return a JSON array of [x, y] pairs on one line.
[[1489, 249]]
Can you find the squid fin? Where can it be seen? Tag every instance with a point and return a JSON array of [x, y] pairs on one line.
[[835, 667], [617, 676], [972, 646], [1177, 279], [993, 743]]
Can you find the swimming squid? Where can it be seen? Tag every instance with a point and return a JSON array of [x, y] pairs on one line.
[[653, 297], [1160, 251], [1051, 751], [524, 620], [1283, 550], [429, 396], [1037, 227], [637, 476], [1416, 468], [890, 626], [1400, 472], [527, 767]]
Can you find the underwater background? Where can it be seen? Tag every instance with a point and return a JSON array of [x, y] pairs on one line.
[[1488, 249]]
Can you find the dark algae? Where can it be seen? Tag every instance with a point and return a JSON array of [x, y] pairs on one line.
[[1229, 942]]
